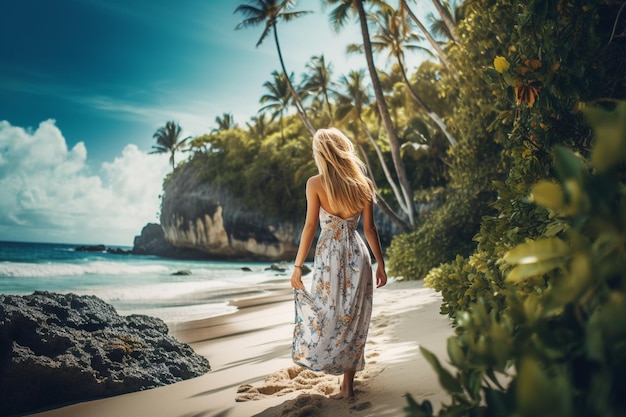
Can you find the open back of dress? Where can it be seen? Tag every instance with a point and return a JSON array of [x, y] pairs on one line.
[[333, 319]]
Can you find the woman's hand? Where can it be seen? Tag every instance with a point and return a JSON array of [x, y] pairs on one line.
[[296, 279], [381, 277]]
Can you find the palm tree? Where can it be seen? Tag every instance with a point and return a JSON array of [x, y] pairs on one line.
[[441, 54], [168, 140], [352, 103], [225, 122], [269, 12], [339, 17], [447, 19], [258, 125], [318, 81], [278, 99], [393, 34]]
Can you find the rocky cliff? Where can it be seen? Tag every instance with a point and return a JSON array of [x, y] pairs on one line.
[[202, 221], [197, 215]]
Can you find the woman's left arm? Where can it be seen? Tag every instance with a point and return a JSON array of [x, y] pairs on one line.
[[308, 233]]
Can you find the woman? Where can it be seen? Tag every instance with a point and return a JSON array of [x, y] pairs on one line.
[[333, 319]]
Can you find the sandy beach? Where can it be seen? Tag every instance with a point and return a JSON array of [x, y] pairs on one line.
[[252, 373]]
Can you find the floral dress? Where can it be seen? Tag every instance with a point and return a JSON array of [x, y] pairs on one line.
[[333, 319]]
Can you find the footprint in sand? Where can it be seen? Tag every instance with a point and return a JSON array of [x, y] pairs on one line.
[[288, 380], [304, 406]]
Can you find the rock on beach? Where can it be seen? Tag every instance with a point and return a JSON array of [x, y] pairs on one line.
[[57, 349]]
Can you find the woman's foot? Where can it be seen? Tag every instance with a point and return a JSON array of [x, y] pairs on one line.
[[346, 390], [341, 395]]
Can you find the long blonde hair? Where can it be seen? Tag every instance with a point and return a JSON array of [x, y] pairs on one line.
[[341, 171]]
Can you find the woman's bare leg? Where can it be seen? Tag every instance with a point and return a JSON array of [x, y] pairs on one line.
[[347, 386]]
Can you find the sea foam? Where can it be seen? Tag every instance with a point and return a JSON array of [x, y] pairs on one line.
[[16, 269]]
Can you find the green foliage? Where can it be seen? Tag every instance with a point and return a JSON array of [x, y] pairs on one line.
[[263, 175], [465, 281], [558, 338], [444, 232], [539, 305], [538, 125], [472, 164]]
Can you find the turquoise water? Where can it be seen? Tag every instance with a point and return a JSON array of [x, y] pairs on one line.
[[133, 284]]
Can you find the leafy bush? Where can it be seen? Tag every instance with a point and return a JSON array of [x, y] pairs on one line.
[[560, 342], [444, 232], [464, 282], [543, 78]]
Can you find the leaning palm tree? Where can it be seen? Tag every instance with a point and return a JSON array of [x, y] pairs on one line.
[[353, 102], [269, 12], [392, 34], [339, 16], [168, 140], [447, 19], [277, 100], [441, 54], [318, 81]]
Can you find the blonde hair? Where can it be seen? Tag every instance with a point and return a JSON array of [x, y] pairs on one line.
[[342, 172]]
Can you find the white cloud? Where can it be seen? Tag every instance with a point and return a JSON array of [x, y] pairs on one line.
[[48, 193]]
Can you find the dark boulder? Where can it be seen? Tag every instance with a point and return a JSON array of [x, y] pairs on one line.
[[90, 248], [119, 251], [57, 349]]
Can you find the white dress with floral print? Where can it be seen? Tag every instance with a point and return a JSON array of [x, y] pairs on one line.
[[333, 319]]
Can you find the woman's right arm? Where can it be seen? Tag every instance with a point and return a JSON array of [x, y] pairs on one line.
[[373, 239]]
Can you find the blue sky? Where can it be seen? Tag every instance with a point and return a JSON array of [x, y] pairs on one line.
[[84, 84]]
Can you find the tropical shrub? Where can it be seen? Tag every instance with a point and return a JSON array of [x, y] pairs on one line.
[[481, 119], [443, 233], [557, 343], [576, 65]]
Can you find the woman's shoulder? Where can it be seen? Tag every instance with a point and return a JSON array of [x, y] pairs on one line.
[[314, 181], [314, 184]]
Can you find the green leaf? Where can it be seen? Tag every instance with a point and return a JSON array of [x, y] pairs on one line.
[[446, 379], [537, 251], [498, 403], [415, 409], [548, 194], [569, 287], [455, 352], [567, 164], [539, 395], [610, 135], [525, 271]]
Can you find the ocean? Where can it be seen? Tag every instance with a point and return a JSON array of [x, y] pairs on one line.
[[135, 284]]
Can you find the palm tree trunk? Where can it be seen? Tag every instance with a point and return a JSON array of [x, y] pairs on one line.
[[386, 171], [443, 57], [329, 106], [431, 114], [383, 109], [296, 99], [447, 20], [380, 201]]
